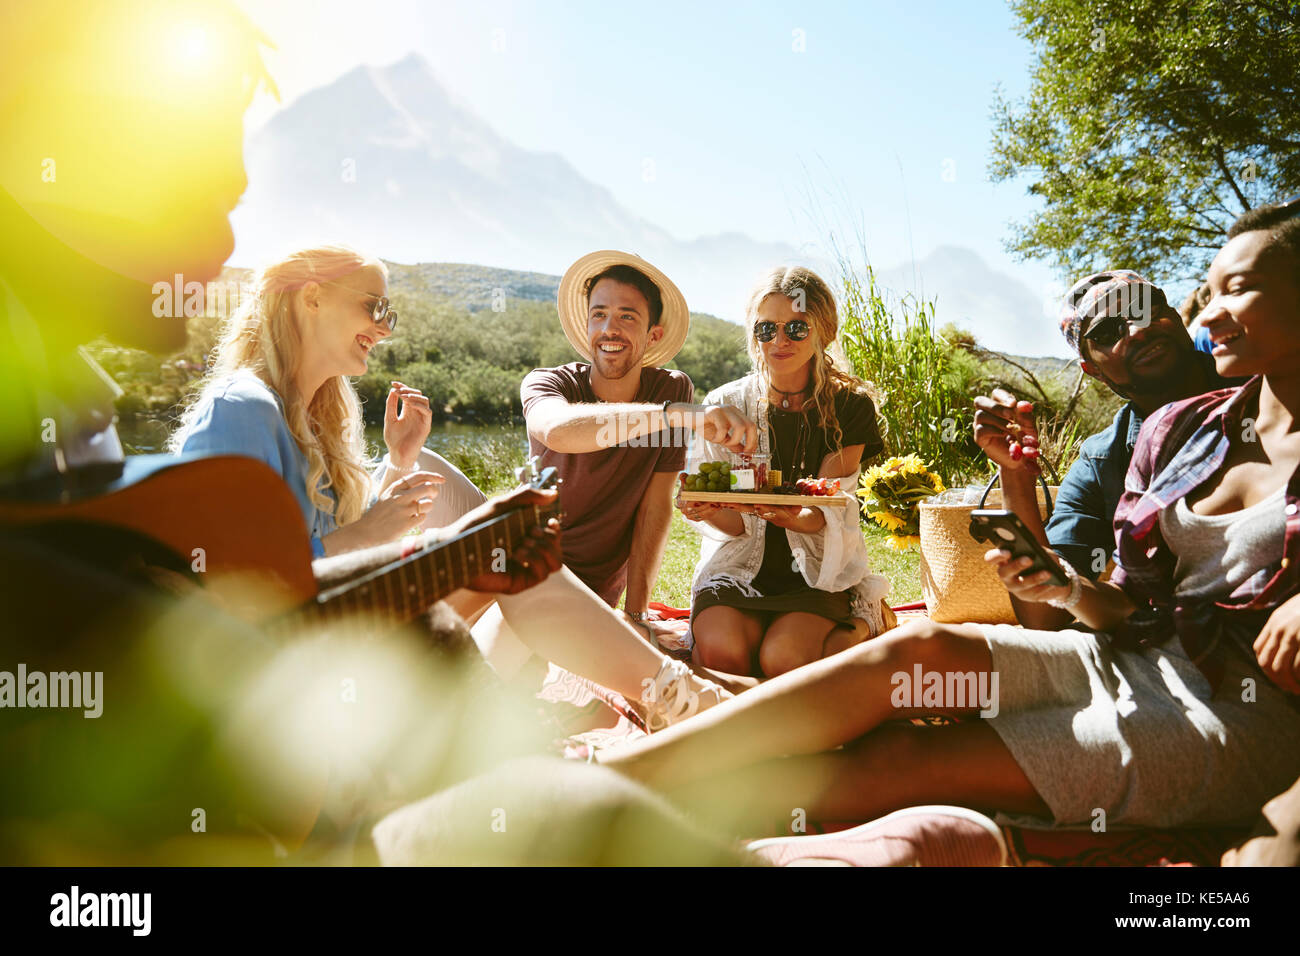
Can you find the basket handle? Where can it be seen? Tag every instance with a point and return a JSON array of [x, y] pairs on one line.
[[1047, 492]]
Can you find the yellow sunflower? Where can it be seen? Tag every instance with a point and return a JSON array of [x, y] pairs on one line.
[[890, 522]]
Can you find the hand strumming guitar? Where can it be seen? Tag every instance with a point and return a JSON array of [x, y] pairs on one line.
[[535, 559]]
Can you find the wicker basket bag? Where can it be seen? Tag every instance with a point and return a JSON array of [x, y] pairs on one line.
[[957, 583]]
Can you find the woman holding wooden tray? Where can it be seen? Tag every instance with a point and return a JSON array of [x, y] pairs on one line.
[[789, 584]]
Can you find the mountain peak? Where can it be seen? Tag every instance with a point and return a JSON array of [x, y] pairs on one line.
[[413, 69], [387, 159]]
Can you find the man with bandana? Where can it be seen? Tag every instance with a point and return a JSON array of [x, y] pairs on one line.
[[1130, 338]]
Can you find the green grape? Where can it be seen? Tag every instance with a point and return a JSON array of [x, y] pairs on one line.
[[724, 467]]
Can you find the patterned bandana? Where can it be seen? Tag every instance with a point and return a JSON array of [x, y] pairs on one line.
[[1119, 292]]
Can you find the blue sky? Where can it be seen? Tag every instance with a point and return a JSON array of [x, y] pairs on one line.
[[706, 117]]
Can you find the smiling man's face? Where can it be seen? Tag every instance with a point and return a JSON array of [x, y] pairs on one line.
[[618, 328], [1151, 359]]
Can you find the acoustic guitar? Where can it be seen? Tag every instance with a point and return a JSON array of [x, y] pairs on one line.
[[239, 527]]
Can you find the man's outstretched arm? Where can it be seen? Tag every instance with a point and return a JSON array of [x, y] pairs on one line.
[[576, 428]]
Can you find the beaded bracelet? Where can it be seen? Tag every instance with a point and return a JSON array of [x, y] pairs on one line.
[[1076, 586], [414, 466]]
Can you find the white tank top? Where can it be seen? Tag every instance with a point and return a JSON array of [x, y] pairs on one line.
[[1218, 553]]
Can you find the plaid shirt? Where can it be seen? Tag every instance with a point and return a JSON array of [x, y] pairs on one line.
[[1178, 449]]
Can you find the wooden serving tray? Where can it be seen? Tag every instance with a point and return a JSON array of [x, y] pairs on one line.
[[765, 498]]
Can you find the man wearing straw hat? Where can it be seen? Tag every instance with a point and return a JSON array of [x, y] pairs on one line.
[[1130, 338], [616, 423]]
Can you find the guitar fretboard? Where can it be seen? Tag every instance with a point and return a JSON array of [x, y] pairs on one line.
[[403, 589]]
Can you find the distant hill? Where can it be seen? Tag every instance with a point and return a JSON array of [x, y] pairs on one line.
[[1045, 367], [472, 285]]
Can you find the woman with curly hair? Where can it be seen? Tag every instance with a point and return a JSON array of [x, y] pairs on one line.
[[790, 585]]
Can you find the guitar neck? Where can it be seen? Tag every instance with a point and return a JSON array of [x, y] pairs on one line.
[[403, 589]]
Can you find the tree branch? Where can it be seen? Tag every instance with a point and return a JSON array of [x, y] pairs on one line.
[[1075, 394]]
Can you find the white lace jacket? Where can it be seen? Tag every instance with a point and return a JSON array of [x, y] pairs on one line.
[[833, 559]]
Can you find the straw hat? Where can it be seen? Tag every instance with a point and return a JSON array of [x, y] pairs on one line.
[[572, 303]]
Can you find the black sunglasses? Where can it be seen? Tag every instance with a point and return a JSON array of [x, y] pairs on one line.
[[1105, 332], [796, 330]]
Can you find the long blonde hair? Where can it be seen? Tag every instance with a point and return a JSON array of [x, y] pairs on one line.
[[803, 286], [265, 336]]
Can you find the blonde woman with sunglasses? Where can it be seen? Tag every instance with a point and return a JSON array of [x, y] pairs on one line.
[[786, 584], [279, 391]]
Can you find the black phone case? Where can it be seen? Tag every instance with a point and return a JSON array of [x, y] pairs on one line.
[[1004, 529]]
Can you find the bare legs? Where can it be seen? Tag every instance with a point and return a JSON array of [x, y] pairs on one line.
[[843, 637], [727, 638], [822, 706], [563, 621], [793, 640], [895, 766]]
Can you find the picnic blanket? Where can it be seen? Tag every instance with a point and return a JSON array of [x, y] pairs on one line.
[[586, 714]]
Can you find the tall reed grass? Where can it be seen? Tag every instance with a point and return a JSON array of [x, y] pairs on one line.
[[923, 383]]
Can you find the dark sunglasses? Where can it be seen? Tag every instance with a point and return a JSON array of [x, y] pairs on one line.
[[796, 330], [381, 313], [1104, 333]]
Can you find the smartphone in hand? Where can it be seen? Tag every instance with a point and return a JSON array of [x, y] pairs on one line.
[[1005, 530]]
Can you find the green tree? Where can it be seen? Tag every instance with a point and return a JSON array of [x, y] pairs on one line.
[[1149, 127], [713, 354]]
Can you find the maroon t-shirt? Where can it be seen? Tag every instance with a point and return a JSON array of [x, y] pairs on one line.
[[602, 490]]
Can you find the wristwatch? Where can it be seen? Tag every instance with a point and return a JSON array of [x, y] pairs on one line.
[[636, 617]]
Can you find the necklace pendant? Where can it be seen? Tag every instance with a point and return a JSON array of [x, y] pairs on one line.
[[785, 403]]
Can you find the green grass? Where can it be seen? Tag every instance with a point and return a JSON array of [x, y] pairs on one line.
[[683, 551], [903, 568]]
